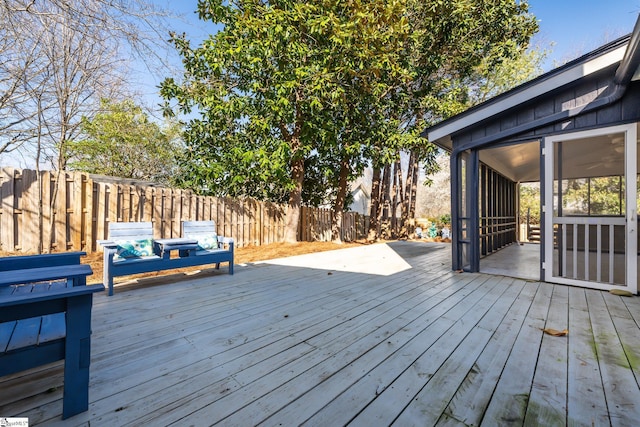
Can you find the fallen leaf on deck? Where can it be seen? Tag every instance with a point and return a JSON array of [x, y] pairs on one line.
[[555, 332], [621, 292]]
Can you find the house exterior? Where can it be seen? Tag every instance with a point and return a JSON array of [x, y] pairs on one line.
[[361, 199], [571, 129]]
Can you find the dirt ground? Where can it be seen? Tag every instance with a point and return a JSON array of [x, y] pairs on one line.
[[243, 255]]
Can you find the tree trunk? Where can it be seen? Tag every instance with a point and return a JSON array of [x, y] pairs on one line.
[[385, 189], [394, 201], [374, 209], [414, 188], [295, 201], [338, 207], [297, 175], [409, 196], [398, 196]]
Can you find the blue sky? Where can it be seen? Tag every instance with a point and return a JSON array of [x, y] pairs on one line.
[[569, 28], [579, 26], [575, 26]]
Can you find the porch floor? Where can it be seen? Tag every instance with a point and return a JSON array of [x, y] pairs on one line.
[[374, 335], [521, 261]]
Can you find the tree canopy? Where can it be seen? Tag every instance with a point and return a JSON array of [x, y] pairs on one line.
[[340, 84], [121, 141]]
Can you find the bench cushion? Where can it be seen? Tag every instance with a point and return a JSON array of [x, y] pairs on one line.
[[134, 248], [207, 241]]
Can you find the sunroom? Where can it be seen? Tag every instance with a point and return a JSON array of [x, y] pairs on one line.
[[574, 131]]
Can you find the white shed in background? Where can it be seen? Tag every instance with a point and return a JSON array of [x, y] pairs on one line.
[[361, 199]]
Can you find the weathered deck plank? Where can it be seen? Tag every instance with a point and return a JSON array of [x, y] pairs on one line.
[[509, 401], [288, 344], [620, 386], [427, 406], [586, 405], [252, 340], [547, 403], [396, 352], [439, 344], [396, 337], [472, 397]]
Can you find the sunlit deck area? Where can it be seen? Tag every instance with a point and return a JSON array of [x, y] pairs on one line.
[[374, 335]]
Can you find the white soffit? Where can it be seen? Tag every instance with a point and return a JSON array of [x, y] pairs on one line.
[[570, 75]]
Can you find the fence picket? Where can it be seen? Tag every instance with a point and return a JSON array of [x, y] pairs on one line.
[[28, 218], [47, 210], [88, 226], [60, 213], [77, 196], [8, 215], [75, 209]]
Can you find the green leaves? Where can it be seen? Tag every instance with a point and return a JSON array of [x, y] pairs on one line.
[[283, 74], [329, 80], [121, 141]]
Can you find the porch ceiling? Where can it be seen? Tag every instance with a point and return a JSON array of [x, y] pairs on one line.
[[521, 162]]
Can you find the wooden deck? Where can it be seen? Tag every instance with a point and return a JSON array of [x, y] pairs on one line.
[[368, 336]]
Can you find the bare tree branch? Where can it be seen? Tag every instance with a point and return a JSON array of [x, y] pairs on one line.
[[61, 57]]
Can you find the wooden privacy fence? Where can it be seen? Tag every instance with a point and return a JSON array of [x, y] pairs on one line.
[[71, 210]]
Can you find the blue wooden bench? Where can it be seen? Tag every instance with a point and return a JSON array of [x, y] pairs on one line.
[[142, 254], [45, 316]]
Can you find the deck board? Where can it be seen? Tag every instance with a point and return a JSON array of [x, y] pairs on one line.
[[620, 387], [586, 405], [391, 342], [472, 397], [436, 346], [430, 402], [312, 342], [547, 403], [508, 403]]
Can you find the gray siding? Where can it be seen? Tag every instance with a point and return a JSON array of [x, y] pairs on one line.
[[625, 110]]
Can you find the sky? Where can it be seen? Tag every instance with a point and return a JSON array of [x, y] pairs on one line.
[[568, 28], [576, 27]]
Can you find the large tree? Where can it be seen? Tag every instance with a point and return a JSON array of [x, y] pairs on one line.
[[341, 83], [455, 45], [280, 84], [122, 141], [60, 58]]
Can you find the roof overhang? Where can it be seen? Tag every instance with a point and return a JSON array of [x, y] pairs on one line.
[[593, 157], [623, 51], [441, 133]]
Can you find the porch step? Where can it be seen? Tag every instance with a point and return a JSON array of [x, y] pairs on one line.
[[534, 234]]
